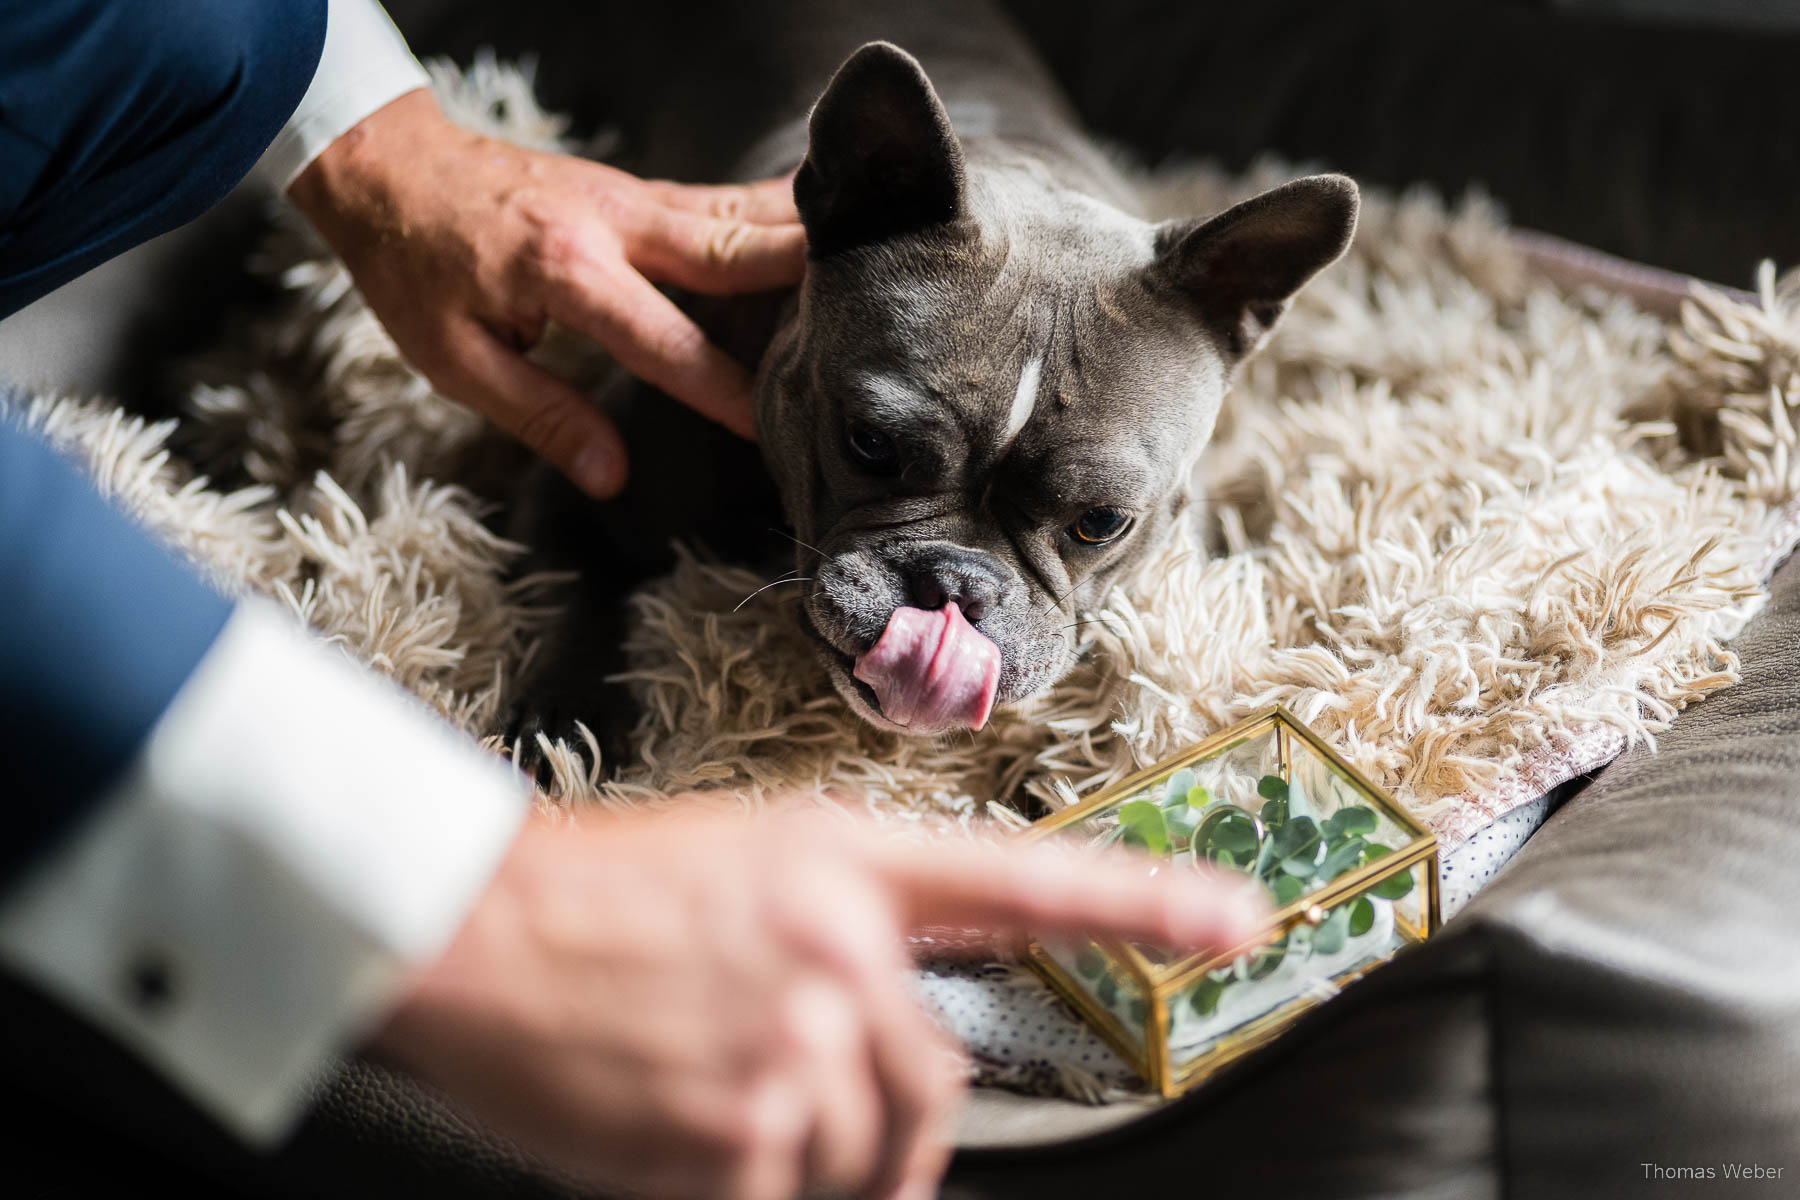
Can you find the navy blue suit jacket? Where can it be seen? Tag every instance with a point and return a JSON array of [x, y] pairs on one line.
[[119, 119], [100, 624]]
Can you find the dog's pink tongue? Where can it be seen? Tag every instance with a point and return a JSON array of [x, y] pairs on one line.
[[932, 670]]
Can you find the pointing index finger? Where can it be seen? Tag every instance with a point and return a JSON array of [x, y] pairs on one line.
[[1050, 889]]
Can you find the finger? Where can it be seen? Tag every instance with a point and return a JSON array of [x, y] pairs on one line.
[[769, 202], [920, 1077], [536, 407], [924, 1077], [1049, 889], [918, 1073], [657, 342], [824, 1030], [771, 1170], [712, 255]]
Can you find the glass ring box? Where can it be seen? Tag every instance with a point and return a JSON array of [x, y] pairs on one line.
[[1352, 879]]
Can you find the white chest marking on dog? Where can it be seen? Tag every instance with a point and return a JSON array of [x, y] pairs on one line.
[[1024, 400]]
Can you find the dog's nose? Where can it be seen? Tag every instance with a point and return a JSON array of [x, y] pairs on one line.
[[970, 578]]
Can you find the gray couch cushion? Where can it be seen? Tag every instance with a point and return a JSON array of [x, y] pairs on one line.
[[1624, 997], [1649, 956]]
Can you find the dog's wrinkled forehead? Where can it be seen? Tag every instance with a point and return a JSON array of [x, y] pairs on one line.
[[1032, 332]]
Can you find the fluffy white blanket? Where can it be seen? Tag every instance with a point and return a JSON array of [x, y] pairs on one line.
[[1480, 531]]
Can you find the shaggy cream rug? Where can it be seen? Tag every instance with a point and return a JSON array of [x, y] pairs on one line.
[[1480, 531]]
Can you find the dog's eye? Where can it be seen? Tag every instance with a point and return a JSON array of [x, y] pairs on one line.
[[1099, 525], [872, 448]]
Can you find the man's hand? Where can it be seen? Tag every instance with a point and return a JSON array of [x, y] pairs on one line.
[[697, 1005], [465, 247]]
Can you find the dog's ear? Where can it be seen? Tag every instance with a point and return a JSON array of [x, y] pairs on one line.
[[881, 158], [1242, 266]]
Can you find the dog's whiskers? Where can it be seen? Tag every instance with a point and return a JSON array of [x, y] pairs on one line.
[[1106, 620], [765, 587], [1063, 597], [790, 537]]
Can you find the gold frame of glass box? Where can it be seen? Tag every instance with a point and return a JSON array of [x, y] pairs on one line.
[[1159, 982]]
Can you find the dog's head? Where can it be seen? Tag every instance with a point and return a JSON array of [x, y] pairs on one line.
[[993, 389]]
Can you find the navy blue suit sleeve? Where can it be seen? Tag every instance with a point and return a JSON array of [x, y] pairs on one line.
[[122, 119], [100, 625]]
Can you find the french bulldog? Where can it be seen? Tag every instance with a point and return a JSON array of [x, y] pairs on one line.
[[984, 402]]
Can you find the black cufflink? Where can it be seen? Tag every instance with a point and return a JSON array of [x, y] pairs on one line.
[[150, 982]]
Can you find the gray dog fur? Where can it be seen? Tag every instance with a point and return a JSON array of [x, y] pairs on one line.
[[985, 310]]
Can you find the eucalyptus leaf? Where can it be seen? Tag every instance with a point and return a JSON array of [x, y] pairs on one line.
[[1089, 962], [1272, 787], [1143, 825], [1304, 862], [1354, 819], [1234, 833], [1328, 938], [1204, 998], [1265, 857], [1175, 790], [1348, 854], [1261, 962], [1274, 812], [1375, 850], [1362, 916], [1288, 889], [1294, 836], [1394, 886], [1180, 823], [1107, 990], [1137, 1012], [1299, 867], [1198, 797]]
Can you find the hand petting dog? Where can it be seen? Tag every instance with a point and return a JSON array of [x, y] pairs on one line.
[[466, 247]]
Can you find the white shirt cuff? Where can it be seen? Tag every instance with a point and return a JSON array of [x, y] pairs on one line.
[[296, 836], [365, 65]]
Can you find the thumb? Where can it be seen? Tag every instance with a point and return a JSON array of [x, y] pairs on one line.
[[563, 426]]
